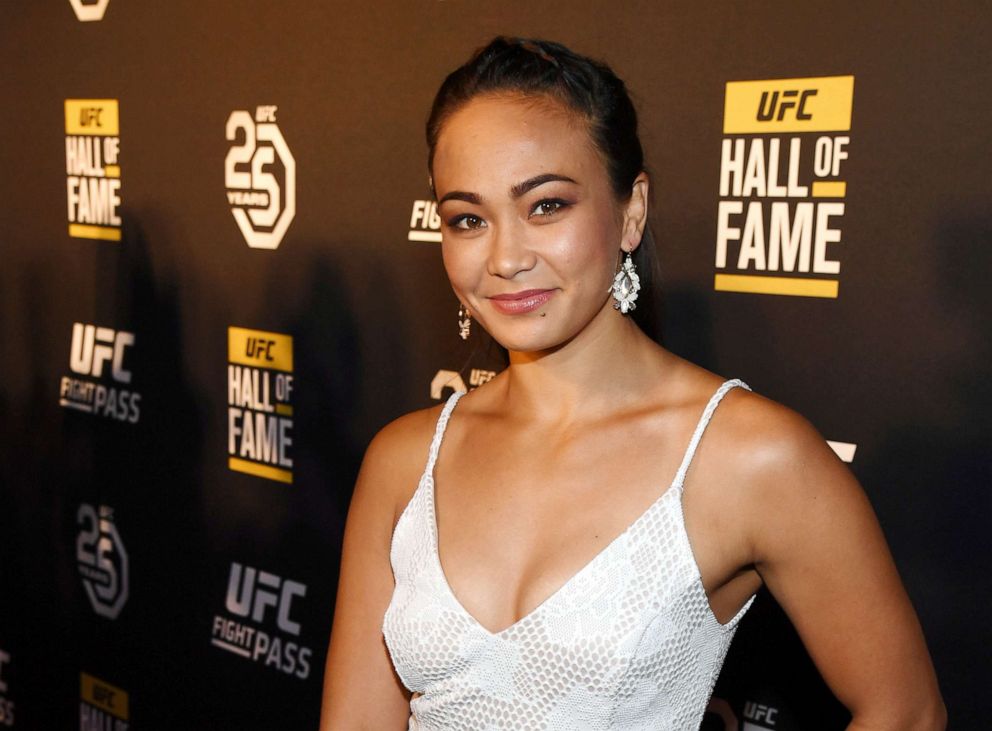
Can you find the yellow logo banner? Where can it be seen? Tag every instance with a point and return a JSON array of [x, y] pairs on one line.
[[260, 349], [91, 117], [817, 104], [103, 695]]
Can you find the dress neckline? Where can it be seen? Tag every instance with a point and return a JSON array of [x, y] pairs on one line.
[[584, 569], [675, 488]]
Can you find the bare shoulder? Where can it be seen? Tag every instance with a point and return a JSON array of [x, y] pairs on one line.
[[404, 440], [395, 459], [770, 435], [771, 446], [751, 436], [783, 471], [361, 688], [781, 503]]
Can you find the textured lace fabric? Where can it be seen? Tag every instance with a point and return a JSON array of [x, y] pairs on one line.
[[629, 642]]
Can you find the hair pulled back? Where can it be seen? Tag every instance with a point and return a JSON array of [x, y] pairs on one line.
[[544, 68], [532, 67]]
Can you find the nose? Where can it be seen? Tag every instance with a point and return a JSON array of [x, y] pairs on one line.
[[510, 252]]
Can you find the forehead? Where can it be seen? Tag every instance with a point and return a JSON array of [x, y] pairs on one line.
[[496, 141]]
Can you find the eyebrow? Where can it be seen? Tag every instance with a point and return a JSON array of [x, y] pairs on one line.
[[458, 195], [520, 188], [515, 192]]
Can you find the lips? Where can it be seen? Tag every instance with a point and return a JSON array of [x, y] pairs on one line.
[[519, 303]]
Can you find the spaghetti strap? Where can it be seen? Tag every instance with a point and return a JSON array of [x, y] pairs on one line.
[[701, 427], [442, 424]]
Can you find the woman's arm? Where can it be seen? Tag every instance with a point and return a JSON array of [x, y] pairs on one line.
[[361, 689], [819, 548]]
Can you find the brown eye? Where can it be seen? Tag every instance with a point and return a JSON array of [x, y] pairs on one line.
[[467, 222], [548, 207]]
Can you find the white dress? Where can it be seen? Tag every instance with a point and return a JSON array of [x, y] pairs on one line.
[[629, 642]]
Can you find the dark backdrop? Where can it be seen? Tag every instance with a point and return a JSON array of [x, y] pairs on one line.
[[892, 370]]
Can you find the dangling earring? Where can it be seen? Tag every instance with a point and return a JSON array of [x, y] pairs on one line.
[[464, 321], [626, 285]]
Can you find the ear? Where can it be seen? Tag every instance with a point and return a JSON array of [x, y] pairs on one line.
[[635, 216]]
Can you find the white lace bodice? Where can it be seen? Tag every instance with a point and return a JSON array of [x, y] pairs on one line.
[[629, 642]]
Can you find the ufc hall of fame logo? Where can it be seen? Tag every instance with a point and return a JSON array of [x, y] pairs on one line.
[[260, 177], [782, 187], [93, 169], [102, 706], [259, 622], [100, 383], [6, 704], [260, 395], [89, 10], [102, 560]]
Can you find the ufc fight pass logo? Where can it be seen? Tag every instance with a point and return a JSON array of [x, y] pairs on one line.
[[259, 623], [95, 353]]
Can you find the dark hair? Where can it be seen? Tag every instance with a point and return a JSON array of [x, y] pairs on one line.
[[531, 67]]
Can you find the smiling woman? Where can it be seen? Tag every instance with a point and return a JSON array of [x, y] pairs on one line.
[[530, 221], [555, 563]]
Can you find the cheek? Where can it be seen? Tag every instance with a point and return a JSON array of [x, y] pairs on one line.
[[587, 245], [460, 265]]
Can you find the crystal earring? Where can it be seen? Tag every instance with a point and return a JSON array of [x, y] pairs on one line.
[[626, 285], [464, 321]]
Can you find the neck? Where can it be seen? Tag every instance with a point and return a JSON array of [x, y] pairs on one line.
[[610, 363]]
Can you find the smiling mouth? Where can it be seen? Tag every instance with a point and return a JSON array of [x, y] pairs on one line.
[[518, 303]]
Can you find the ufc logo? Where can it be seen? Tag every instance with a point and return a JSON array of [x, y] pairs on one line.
[[760, 712], [90, 116], [769, 104], [252, 592], [93, 347], [265, 113], [104, 695]]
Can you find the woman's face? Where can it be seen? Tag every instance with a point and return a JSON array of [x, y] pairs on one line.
[[531, 229]]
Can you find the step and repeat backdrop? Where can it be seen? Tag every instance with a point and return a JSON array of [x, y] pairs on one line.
[[221, 275]]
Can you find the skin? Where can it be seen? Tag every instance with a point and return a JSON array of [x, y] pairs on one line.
[[597, 417]]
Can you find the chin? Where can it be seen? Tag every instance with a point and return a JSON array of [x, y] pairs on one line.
[[535, 334], [529, 342]]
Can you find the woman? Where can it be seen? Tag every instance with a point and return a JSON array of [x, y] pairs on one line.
[[537, 573]]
